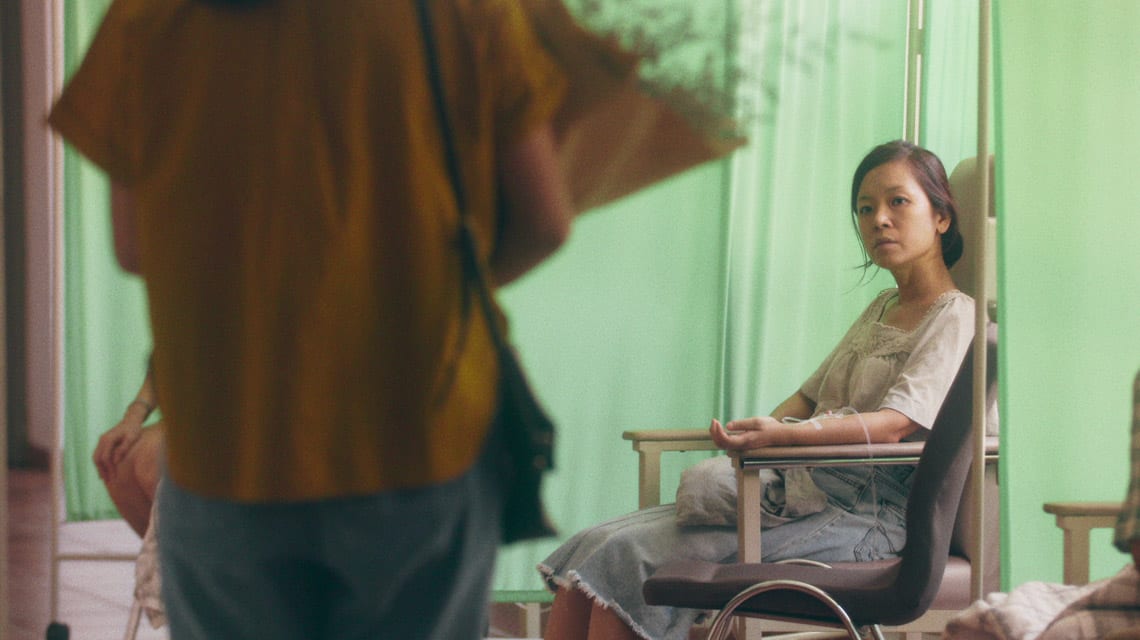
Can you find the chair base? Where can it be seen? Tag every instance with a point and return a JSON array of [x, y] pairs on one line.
[[722, 623], [930, 625]]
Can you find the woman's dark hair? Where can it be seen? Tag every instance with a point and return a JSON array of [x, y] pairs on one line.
[[931, 176]]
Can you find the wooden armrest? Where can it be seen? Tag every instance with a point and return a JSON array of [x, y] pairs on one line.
[[839, 455], [671, 439], [750, 462], [1083, 509], [649, 445], [1076, 519]]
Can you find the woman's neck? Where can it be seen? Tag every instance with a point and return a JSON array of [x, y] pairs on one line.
[[922, 286], [917, 290]]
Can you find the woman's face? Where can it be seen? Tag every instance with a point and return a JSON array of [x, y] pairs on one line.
[[898, 225]]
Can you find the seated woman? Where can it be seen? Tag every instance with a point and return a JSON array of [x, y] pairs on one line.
[[884, 382], [127, 457]]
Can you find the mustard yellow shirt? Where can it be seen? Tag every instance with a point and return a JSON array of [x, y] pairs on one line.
[[296, 228]]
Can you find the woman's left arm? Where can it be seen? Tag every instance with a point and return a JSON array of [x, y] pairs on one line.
[[883, 426]]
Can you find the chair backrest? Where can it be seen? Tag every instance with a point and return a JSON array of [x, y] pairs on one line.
[[939, 481], [964, 187], [963, 535]]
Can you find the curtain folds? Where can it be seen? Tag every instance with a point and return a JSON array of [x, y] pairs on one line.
[[106, 339], [949, 115]]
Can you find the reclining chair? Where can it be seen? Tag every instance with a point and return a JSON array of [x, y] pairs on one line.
[[939, 541], [852, 595]]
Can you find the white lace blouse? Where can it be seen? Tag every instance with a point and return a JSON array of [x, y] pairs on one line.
[[877, 366]]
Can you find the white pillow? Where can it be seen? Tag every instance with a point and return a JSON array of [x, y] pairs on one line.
[[706, 495]]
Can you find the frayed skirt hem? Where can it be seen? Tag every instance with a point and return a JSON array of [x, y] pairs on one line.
[[573, 580]]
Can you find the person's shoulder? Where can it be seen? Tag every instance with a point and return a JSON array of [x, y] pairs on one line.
[[882, 297], [954, 301], [143, 14], [494, 23], [492, 10], [142, 8], [952, 308], [874, 308]]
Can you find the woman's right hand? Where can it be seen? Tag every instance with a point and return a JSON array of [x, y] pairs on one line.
[[117, 441], [748, 433]]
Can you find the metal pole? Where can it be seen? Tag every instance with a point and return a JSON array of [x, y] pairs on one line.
[[978, 471], [54, 49], [912, 70], [4, 515]]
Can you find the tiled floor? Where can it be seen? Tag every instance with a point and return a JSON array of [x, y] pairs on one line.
[[95, 596]]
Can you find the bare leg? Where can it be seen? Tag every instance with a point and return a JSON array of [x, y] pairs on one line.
[[131, 502], [133, 483], [574, 616], [569, 616], [148, 460], [605, 625]]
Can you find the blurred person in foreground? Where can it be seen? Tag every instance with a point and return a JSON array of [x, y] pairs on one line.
[[328, 389]]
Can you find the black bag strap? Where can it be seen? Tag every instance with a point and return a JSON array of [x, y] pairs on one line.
[[473, 266]]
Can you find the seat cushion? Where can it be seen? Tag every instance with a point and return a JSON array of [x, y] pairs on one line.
[[861, 588], [954, 594]]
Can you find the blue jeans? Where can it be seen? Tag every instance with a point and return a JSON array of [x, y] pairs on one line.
[[399, 564]]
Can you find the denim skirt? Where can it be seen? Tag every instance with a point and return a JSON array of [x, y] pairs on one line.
[[864, 519]]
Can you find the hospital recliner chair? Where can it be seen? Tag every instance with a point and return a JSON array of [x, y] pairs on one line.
[[931, 575], [954, 587], [953, 591]]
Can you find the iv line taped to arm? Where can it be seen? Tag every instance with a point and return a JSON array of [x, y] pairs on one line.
[[815, 421]]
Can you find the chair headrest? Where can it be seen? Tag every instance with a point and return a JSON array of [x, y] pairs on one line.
[[964, 186]]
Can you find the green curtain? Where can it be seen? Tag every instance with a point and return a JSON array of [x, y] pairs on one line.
[[716, 293], [711, 295], [949, 116], [1067, 95], [106, 339]]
